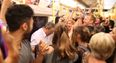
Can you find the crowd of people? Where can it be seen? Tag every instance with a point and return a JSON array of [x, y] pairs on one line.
[[82, 38]]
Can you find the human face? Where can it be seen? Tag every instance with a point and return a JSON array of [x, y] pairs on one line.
[[50, 31], [69, 25], [29, 28], [87, 20]]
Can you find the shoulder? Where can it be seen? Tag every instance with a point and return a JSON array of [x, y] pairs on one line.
[[85, 57], [38, 33]]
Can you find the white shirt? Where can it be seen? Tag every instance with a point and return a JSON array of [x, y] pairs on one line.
[[40, 35]]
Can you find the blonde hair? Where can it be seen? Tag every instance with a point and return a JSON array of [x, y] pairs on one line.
[[65, 47], [102, 45], [70, 20], [61, 42]]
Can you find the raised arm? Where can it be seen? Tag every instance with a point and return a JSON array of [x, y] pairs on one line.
[[8, 39], [5, 5]]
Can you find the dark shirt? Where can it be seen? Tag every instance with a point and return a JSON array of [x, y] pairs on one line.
[[112, 57]]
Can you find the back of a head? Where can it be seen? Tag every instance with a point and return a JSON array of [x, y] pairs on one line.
[[102, 45], [18, 14], [65, 48], [59, 28], [84, 33]]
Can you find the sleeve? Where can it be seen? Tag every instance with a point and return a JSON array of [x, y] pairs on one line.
[[34, 40]]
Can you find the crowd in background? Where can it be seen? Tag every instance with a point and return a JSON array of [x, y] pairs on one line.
[[82, 38]]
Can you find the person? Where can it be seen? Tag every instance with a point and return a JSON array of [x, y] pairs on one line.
[[112, 59], [8, 49], [80, 38], [108, 24], [69, 24], [45, 34], [19, 18], [102, 46], [63, 49], [89, 20]]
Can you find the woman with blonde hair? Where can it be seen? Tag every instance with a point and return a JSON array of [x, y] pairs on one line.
[[63, 49], [102, 46], [69, 24]]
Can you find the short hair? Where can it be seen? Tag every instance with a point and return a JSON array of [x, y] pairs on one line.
[[18, 14], [102, 45], [49, 25]]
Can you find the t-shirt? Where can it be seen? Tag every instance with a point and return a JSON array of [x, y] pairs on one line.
[[26, 55]]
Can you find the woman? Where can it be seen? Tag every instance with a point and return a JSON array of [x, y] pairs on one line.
[[102, 46], [69, 24], [80, 39], [63, 50]]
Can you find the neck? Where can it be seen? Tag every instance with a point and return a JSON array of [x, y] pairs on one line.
[[95, 60], [18, 36]]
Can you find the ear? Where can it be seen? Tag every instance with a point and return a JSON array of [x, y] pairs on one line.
[[24, 26]]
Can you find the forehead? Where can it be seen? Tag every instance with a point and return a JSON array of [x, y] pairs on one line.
[[87, 17]]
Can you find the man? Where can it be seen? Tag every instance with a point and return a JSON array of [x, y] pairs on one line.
[[20, 22], [45, 34]]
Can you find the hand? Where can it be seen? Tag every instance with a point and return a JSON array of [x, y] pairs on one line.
[[43, 48], [50, 49]]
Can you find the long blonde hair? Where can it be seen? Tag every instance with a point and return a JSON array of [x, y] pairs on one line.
[[63, 47]]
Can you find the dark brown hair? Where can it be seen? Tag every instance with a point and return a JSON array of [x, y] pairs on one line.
[[84, 34]]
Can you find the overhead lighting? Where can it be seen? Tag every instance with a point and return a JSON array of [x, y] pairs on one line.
[[70, 3]]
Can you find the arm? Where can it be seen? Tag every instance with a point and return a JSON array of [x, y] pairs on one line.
[[5, 5], [12, 55], [43, 50], [13, 52]]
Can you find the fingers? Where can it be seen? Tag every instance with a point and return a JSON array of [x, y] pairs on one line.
[[43, 48], [50, 50]]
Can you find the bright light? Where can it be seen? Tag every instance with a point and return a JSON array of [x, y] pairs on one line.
[[70, 3], [109, 3]]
